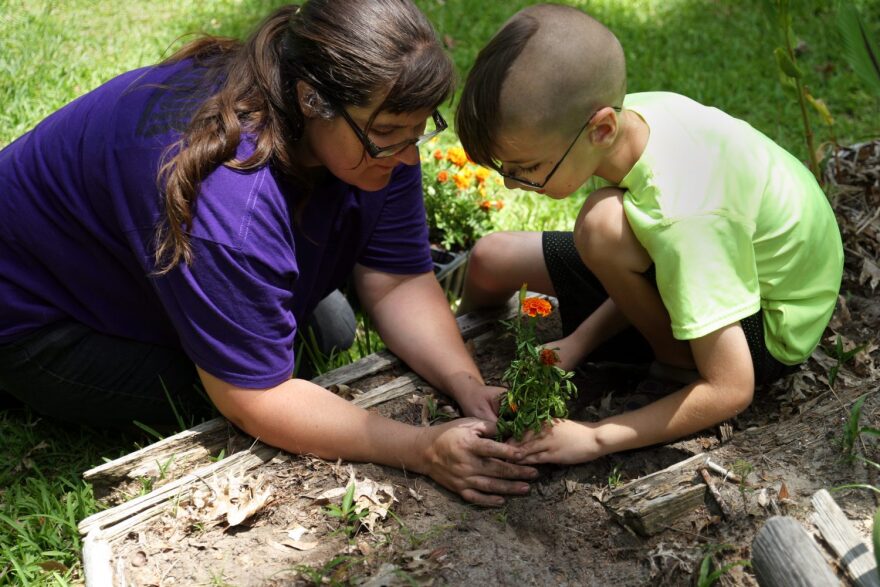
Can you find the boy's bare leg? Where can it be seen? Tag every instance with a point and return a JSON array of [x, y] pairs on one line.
[[498, 266], [609, 248]]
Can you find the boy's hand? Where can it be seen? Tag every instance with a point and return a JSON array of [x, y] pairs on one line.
[[566, 442], [569, 352]]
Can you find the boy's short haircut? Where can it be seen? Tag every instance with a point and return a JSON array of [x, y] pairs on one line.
[[479, 111], [548, 69]]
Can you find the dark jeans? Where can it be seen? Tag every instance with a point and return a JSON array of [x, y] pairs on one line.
[[69, 372], [72, 373]]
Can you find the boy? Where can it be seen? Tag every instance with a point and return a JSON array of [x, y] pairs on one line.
[[717, 249]]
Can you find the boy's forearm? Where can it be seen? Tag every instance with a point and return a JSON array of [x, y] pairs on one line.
[[689, 410], [605, 322]]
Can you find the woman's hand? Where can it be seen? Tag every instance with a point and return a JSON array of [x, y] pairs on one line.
[[566, 442], [477, 399], [461, 457]]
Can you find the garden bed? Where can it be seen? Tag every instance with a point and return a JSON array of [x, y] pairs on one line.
[[258, 516], [571, 529]]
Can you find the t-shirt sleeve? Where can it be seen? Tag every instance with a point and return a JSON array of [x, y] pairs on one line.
[[399, 242], [242, 333], [706, 272]]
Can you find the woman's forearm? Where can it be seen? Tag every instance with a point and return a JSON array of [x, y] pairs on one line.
[[303, 418], [415, 321]]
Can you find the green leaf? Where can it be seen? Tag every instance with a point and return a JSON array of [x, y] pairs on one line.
[[875, 537], [151, 431], [855, 414], [860, 48], [348, 498], [820, 107], [857, 486], [786, 65]]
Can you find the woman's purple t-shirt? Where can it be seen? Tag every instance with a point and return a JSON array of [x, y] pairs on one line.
[[79, 205]]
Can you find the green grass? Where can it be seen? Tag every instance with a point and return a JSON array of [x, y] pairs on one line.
[[718, 52], [43, 498]]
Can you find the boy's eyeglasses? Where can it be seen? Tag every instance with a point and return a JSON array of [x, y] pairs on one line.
[[541, 185], [391, 150]]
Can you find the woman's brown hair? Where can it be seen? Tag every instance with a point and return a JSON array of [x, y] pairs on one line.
[[347, 50]]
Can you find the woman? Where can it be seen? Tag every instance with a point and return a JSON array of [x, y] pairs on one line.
[[184, 219]]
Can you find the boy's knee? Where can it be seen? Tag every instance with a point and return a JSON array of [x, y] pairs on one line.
[[597, 231]]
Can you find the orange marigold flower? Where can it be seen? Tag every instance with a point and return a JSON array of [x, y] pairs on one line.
[[485, 205], [438, 155], [536, 307], [512, 404], [457, 156], [549, 357], [462, 181], [482, 175], [443, 176], [497, 204]]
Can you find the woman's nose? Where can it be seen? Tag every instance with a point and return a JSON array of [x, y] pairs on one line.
[[409, 155]]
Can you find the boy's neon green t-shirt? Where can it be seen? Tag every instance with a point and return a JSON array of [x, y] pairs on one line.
[[734, 224]]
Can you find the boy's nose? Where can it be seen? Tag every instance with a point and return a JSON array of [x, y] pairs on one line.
[[512, 184]]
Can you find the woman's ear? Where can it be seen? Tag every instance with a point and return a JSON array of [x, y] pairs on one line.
[[307, 98]]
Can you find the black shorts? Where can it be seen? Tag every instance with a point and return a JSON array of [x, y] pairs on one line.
[[580, 293]]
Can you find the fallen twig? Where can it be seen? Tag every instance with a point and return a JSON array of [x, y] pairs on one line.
[[725, 511], [575, 530], [725, 474]]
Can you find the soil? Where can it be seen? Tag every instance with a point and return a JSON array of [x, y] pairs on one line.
[[562, 533]]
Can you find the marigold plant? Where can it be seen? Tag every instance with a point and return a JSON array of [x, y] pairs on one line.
[[538, 388], [460, 197]]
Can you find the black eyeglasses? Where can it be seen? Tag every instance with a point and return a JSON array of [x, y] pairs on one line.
[[539, 186], [391, 150]]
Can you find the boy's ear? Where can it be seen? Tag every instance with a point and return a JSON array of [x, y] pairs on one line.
[[604, 127]]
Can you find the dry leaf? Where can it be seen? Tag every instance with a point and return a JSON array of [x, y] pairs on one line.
[[300, 544], [234, 497], [50, 566], [387, 574], [870, 272], [138, 558], [763, 498], [297, 533], [374, 497], [783, 492]]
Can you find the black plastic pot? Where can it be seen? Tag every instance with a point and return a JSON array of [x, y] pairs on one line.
[[450, 268]]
